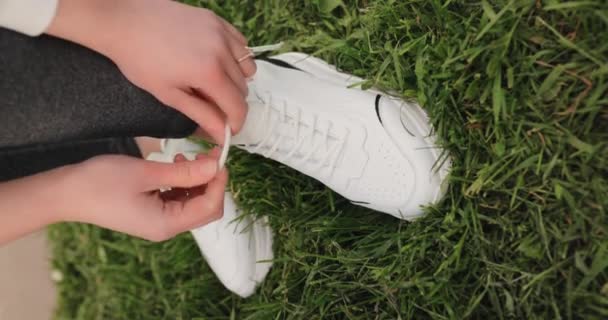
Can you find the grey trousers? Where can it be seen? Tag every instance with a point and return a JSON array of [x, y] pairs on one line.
[[61, 103]]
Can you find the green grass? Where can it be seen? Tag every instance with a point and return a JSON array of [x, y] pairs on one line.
[[518, 93]]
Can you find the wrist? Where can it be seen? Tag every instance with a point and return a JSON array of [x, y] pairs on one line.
[[31, 203], [53, 193]]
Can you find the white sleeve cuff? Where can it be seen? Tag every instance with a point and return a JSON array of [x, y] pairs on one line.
[[31, 17]]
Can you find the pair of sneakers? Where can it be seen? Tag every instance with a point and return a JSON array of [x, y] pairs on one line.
[[376, 150]]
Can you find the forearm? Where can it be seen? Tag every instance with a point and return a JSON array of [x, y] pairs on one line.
[[95, 24], [30, 203], [92, 23]]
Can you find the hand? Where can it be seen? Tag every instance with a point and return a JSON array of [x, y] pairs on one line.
[[185, 56], [121, 193]]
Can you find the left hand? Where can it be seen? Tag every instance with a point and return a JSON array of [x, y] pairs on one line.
[[121, 193]]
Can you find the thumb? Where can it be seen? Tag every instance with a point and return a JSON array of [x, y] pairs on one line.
[[183, 174]]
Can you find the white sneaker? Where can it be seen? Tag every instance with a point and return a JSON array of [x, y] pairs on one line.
[[375, 150], [238, 249]]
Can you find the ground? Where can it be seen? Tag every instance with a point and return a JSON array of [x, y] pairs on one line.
[[517, 91]]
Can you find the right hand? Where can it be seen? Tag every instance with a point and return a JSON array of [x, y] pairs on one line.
[[185, 56]]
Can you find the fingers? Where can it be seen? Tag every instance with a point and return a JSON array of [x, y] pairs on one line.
[[183, 174], [218, 87], [215, 153], [236, 75], [238, 46], [182, 194], [201, 111], [229, 99], [215, 93], [243, 56], [234, 32], [198, 210], [201, 134]]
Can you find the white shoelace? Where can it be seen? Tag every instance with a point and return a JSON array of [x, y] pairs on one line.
[[270, 47], [225, 147], [327, 153]]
